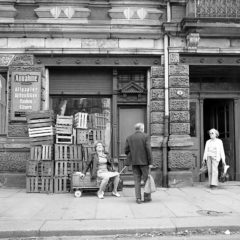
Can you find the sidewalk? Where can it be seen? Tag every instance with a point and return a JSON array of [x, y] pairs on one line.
[[32, 214]]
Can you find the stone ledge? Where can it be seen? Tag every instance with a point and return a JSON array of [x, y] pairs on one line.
[[180, 179]]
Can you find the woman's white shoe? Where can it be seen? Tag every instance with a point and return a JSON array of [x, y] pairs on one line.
[[116, 194], [100, 195]]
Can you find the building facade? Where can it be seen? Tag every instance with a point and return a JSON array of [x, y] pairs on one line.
[[170, 64]]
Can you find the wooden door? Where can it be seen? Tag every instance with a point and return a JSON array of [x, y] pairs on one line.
[[219, 114], [128, 117]]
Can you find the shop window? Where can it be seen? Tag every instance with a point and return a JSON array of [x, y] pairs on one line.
[[97, 110], [3, 103]]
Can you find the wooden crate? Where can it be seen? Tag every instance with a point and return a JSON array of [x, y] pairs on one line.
[[44, 152], [40, 119], [86, 182], [80, 120], [46, 168], [64, 124], [68, 152], [40, 132], [87, 150], [62, 184], [39, 184], [97, 135], [66, 168], [32, 168], [64, 138], [40, 168], [39, 141], [98, 120], [82, 136]]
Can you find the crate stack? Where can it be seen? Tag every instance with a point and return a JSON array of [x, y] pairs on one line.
[[40, 169], [64, 129], [41, 127], [68, 159]]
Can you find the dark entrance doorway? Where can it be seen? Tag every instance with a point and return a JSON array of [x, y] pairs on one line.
[[219, 114]]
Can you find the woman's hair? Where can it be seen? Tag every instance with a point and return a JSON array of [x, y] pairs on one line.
[[96, 143], [214, 130]]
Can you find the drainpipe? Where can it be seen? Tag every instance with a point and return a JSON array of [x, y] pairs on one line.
[[166, 114]]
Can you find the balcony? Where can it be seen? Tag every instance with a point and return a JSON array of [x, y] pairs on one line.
[[213, 9]]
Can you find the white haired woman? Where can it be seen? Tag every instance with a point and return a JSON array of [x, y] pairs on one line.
[[213, 153]]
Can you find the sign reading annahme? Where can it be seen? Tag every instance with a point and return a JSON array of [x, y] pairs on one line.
[[26, 94]]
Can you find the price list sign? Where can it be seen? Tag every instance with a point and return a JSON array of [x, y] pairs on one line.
[[26, 94]]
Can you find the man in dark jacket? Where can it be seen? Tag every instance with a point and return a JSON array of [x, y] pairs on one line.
[[139, 155]]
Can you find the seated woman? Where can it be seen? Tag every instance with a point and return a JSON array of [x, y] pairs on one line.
[[101, 165]]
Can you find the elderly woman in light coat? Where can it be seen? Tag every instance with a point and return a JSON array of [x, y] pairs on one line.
[[213, 153]]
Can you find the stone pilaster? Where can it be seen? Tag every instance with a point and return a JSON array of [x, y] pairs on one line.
[[157, 113], [180, 158]]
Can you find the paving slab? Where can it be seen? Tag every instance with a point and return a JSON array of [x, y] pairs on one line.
[[31, 215]]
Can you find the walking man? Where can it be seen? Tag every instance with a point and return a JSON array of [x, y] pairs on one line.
[[139, 155]]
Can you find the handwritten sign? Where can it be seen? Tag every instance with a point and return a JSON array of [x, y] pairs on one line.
[[26, 94]]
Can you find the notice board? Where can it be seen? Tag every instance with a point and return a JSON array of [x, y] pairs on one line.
[[25, 93]]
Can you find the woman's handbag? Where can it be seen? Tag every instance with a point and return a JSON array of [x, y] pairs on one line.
[[203, 169], [150, 185]]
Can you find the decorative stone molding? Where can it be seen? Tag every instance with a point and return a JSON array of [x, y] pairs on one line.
[[6, 59], [65, 13], [174, 58], [23, 60], [7, 13], [193, 40], [135, 15]]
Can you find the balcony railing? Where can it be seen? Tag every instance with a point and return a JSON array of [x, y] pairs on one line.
[[213, 8]]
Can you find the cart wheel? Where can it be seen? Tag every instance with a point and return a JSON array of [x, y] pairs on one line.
[[78, 193]]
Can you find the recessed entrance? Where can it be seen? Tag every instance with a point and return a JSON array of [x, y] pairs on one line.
[[219, 114]]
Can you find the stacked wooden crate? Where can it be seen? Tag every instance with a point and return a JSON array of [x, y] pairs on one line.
[[40, 127], [40, 169], [64, 129], [68, 159]]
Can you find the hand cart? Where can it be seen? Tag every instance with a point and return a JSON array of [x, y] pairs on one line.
[[80, 184]]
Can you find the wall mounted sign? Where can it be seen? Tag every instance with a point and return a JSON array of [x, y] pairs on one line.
[[26, 93]]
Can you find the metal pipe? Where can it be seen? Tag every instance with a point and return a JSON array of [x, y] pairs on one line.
[[166, 113]]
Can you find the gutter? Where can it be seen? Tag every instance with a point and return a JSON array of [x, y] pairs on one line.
[[166, 113]]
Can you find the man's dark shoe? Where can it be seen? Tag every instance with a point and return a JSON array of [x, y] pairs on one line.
[[138, 201]]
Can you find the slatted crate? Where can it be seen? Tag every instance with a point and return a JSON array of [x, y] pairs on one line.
[[64, 124], [98, 120], [40, 168], [82, 136], [40, 127], [64, 138], [87, 150], [97, 135], [32, 168], [44, 152], [66, 168], [80, 120], [39, 184], [68, 152], [46, 168], [62, 184], [40, 119]]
